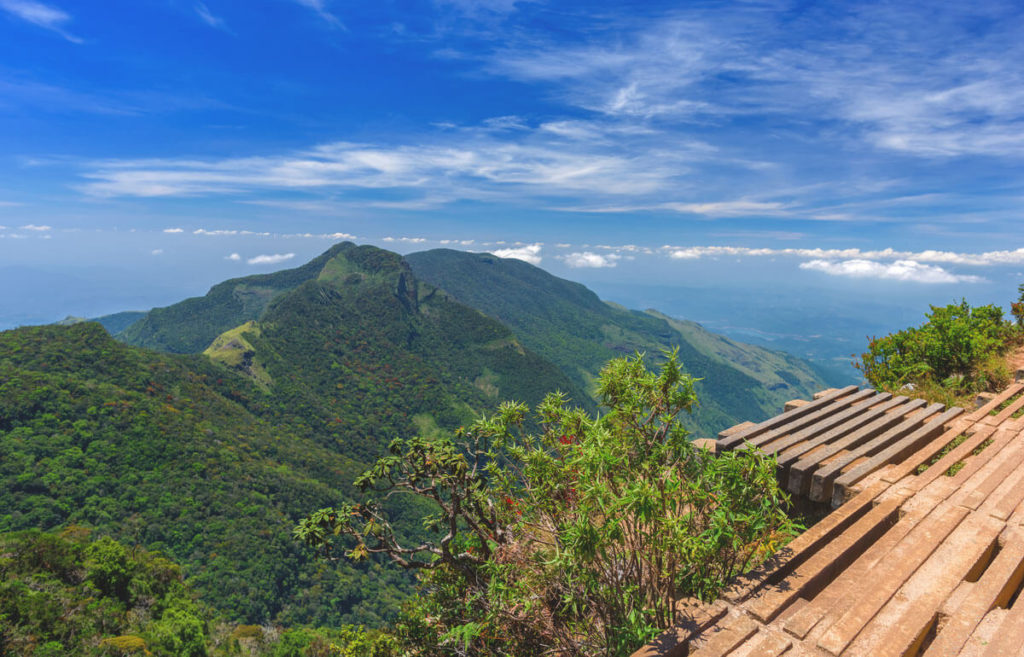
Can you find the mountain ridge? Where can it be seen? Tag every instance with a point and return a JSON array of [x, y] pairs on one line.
[[571, 326]]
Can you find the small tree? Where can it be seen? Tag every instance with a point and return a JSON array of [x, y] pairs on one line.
[[579, 539], [1017, 307]]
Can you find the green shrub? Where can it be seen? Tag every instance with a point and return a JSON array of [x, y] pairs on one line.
[[576, 540], [956, 353]]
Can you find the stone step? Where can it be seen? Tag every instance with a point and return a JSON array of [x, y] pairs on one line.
[[895, 453], [866, 601], [1002, 579], [819, 570], [825, 476], [901, 626], [735, 439], [801, 472]]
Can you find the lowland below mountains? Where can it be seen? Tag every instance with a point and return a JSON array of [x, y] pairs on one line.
[[205, 430]]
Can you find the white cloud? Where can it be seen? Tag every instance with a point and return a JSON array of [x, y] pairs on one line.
[[900, 270], [529, 253], [44, 16], [157, 252], [174, 230], [234, 256], [219, 232], [207, 17], [727, 208], [410, 240], [270, 259], [589, 259], [36, 228], [987, 258]]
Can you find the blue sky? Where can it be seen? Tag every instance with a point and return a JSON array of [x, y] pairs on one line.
[[169, 144]]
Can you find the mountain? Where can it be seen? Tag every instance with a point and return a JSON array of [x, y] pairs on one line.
[[557, 322], [119, 321], [213, 458], [569, 325]]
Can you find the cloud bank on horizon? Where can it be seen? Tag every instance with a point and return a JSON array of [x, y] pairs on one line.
[[864, 140]]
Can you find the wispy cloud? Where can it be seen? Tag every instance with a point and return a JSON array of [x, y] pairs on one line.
[[156, 252], [36, 228], [469, 166], [233, 256], [900, 270], [407, 240], [270, 259], [45, 16], [529, 253], [174, 230], [319, 7], [207, 17], [737, 208], [955, 90]]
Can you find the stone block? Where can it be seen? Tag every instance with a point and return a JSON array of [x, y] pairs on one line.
[[794, 403]]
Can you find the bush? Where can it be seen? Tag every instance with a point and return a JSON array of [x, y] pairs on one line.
[[956, 353], [579, 540]]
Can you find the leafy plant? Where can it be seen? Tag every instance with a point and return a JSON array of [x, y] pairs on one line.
[[577, 539], [956, 353]]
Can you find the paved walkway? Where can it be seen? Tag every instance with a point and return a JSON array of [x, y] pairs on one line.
[[925, 555]]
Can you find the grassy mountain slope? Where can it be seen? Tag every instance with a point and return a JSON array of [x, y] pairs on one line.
[[570, 326]]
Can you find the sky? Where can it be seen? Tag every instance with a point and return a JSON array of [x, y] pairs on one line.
[[869, 151]]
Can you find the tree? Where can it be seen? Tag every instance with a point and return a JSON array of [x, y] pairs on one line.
[[577, 539]]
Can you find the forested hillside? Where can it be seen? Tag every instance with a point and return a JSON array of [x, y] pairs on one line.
[[570, 326], [175, 454], [213, 458]]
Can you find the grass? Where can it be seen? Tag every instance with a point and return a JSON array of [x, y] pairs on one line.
[[1005, 404], [956, 467], [953, 444]]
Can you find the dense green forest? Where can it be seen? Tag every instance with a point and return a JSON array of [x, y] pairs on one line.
[[175, 454], [65, 594]]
